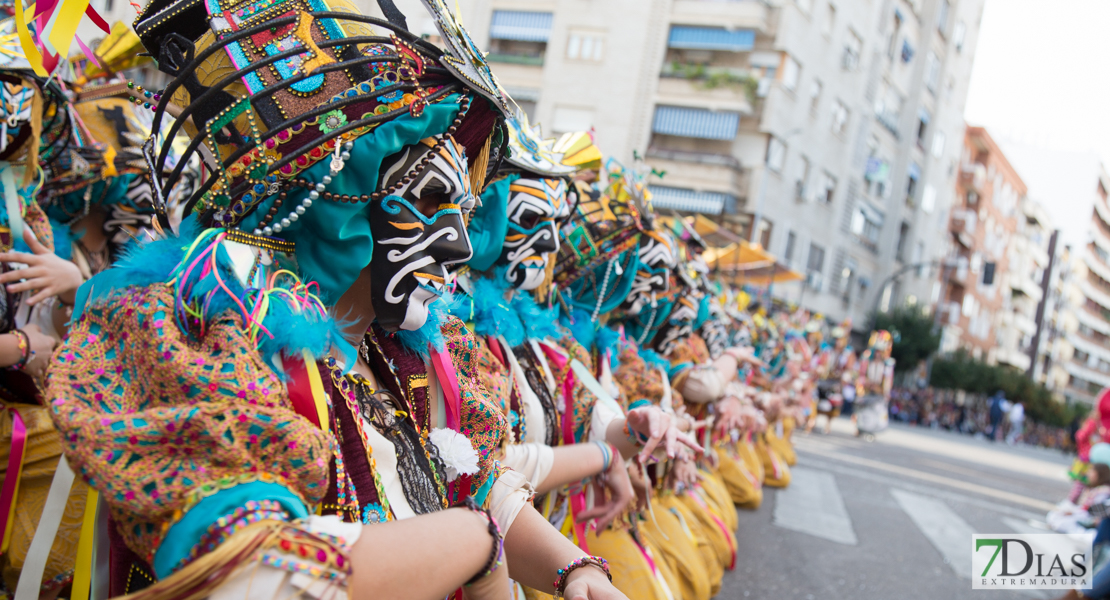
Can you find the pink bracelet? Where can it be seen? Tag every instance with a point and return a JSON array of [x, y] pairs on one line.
[[560, 584]]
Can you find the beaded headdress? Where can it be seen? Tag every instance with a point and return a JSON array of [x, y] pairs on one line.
[[272, 87]]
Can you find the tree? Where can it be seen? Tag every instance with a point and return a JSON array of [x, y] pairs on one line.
[[915, 335]]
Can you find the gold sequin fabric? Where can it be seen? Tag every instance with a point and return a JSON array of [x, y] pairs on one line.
[[156, 421]]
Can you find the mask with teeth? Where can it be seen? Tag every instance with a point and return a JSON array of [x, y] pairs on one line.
[[680, 324], [532, 238], [419, 230]]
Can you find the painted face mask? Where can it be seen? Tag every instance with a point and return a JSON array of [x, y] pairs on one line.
[[532, 238], [419, 230], [653, 277], [715, 329], [680, 324]]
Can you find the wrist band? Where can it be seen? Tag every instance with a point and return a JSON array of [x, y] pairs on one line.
[[497, 552], [24, 349], [560, 584], [635, 437], [608, 453]]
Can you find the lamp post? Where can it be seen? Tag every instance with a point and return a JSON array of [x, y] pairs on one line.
[[761, 198]]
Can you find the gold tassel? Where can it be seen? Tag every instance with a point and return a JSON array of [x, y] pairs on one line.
[[478, 171], [31, 161]]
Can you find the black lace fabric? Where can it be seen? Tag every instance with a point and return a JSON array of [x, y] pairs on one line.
[[416, 468], [531, 367]]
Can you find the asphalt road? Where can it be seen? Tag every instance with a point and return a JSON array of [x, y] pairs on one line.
[[891, 519]]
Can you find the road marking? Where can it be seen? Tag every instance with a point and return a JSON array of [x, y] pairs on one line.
[[931, 491], [933, 478], [812, 504], [948, 533]]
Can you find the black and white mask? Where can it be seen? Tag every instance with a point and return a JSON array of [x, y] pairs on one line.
[[653, 276], [715, 329], [419, 230], [531, 238], [679, 325]]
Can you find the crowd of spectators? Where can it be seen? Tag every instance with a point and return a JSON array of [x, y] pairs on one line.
[[969, 414]]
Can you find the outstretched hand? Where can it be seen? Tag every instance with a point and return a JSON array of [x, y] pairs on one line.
[[659, 427], [47, 273]]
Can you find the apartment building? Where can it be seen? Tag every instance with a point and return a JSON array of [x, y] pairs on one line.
[[983, 274], [1060, 323], [1089, 367], [826, 131]]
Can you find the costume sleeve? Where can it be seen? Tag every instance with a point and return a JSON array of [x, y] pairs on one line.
[[160, 424]]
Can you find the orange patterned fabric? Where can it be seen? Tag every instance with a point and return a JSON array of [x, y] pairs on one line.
[[584, 399], [482, 420], [157, 422], [637, 379]]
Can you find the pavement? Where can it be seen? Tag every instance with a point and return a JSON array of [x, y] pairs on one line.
[[893, 518]]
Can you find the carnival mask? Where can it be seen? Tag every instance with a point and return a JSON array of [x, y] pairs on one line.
[[715, 329], [679, 326], [419, 230], [532, 237], [653, 277]]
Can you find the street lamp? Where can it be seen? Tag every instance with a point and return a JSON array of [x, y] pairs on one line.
[[762, 197]]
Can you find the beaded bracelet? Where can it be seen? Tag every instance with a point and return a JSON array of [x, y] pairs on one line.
[[560, 584], [635, 437], [25, 352], [497, 552], [606, 455]]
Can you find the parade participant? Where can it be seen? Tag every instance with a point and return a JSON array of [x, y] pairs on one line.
[[226, 453], [876, 379]]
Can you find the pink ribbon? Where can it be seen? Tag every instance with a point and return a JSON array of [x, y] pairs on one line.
[[15, 466], [577, 499], [452, 401]]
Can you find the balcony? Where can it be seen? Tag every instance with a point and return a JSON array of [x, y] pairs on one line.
[[700, 171], [962, 225], [715, 88], [730, 14], [973, 176], [1024, 284], [1014, 358]]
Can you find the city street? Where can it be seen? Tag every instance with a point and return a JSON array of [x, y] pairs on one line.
[[891, 519]]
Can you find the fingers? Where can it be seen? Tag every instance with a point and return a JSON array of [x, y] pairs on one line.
[[32, 243], [41, 295], [19, 257], [671, 444]]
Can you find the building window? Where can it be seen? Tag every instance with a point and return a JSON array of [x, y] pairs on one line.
[[853, 47], [776, 154], [830, 20], [815, 265], [827, 188], [900, 249], [803, 179], [867, 225], [932, 72], [815, 95], [839, 117], [907, 51], [585, 45], [791, 71], [938, 144], [959, 32], [928, 199], [895, 30], [519, 36], [888, 107], [847, 277], [922, 127], [788, 253], [911, 183], [942, 17]]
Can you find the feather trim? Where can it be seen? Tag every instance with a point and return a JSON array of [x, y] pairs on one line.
[[430, 333]]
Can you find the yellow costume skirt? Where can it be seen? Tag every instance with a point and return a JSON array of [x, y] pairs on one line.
[[42, 451], [716, 494], [715, 571], [744, 487], [664, 531], [720, 537], [632, 573], [782, 445], [776, 473]]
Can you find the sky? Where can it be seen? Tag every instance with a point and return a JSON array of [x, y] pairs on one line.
[[1041, 86]]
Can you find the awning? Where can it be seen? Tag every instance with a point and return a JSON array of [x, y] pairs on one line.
[[914, 171], [775, 273], [520, 25], [711, 38], [687, 200], [739, 256], [696, 122], [871, 214]]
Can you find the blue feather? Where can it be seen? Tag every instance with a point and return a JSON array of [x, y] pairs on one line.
[[63, 239], [609, 340], [581, 326], [431, 333], [539, 323], [651, 357]]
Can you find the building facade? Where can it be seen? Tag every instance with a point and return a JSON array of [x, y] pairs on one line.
[[987, 298], [826, 131], [1089, 367]]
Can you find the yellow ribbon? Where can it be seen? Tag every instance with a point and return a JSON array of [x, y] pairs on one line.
[[317, 385], [82, 571]]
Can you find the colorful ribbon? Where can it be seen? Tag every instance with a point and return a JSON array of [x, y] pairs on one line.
[[11, 484]]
